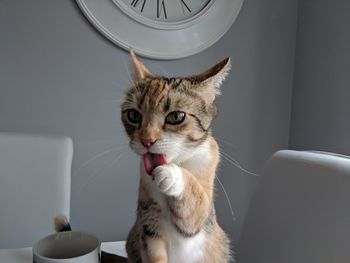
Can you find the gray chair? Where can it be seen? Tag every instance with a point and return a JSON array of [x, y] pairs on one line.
[[301, 211], [34, 186]]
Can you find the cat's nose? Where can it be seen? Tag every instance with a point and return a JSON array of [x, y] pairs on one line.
[[148, 142]]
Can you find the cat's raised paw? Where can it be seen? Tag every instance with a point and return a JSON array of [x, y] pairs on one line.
[[169, 179]]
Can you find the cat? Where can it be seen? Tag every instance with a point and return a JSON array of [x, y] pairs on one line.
[[168, 122]]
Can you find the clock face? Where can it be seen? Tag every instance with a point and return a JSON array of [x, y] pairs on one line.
[[162, 29], [165, 10]]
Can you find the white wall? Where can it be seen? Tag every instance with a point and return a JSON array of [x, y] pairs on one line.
[[58, 75], [321, 108]]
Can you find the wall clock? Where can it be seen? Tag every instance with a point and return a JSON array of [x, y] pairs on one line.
[[162, 29]]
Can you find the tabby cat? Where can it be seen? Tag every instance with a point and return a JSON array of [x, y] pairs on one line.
[[168, 121]]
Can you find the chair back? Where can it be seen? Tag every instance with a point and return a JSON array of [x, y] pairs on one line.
[[300, 212], [34, 186]]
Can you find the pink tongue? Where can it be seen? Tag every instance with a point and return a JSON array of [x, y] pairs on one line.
[[151, 161]]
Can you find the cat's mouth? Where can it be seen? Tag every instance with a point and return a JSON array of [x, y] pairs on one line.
[[152, 160]]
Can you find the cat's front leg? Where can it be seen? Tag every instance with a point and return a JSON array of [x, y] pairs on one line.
[[188, 201]]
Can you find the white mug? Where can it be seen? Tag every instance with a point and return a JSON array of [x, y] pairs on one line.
[[67, 247]]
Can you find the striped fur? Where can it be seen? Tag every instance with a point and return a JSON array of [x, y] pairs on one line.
[[61, 224], [176, 220]]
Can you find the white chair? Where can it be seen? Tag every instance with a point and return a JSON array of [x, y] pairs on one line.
[[300, 212], [34, 186]]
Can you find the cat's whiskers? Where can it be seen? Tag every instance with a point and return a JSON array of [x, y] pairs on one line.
[[95, 157], [235, 163], [230, 159], [224, 141], [99, 172], [228, 199]]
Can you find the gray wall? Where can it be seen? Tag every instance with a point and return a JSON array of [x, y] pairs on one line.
[[59, 76], [321, 97]]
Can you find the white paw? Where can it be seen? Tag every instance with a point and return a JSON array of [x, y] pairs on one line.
[[169, 179]]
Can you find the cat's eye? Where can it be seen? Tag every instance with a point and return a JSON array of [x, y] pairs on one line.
[[134, 116], [175, 117]]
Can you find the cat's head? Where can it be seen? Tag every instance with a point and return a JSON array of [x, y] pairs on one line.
[[171, 116]]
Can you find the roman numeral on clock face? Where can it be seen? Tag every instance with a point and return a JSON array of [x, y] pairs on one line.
[[137, 3], [185, 7], [161, 9], [164, 11]]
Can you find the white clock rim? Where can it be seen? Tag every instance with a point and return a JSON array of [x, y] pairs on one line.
[[151, 49], [162, 24]]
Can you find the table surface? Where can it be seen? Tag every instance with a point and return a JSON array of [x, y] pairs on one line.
[[24, 255]]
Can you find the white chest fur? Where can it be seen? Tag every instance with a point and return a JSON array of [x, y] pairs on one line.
[[182, 249]]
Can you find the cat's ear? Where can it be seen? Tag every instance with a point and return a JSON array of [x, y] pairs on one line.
[[140, 70], [211, 80]]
